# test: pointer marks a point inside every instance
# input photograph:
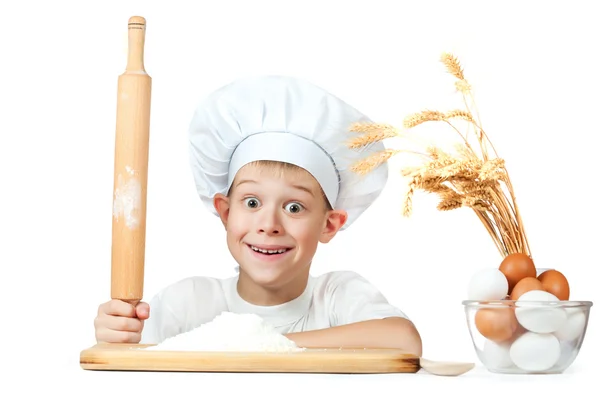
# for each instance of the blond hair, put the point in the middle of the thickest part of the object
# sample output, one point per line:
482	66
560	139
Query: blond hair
281	168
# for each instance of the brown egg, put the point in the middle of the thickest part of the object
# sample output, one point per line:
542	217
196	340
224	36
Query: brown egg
497	324
556	283
515	267
524	286
519	331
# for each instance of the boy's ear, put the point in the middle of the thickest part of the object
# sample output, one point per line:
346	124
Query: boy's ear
221	204
334	222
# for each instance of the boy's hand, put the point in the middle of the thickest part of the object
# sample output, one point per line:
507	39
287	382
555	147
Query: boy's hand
120	322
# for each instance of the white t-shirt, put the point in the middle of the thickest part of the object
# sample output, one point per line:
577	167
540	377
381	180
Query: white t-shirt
331	299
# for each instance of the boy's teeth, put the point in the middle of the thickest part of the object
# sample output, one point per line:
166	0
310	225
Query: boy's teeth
268	251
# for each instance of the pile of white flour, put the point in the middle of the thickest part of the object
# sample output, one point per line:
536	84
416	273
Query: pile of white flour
230	332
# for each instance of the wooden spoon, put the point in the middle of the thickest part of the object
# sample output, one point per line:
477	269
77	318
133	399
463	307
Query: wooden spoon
445	368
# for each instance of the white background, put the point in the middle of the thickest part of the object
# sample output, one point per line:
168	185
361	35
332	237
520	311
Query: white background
534	68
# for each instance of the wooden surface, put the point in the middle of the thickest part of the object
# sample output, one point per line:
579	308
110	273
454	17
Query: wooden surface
128	357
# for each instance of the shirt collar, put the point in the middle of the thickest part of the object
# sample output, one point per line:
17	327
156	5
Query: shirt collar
278	315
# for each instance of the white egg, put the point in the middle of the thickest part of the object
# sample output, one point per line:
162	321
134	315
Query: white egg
488	284
574	326
535	352
567	355
496	355
540	318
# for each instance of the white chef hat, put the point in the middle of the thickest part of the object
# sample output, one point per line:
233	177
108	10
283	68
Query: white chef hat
283	119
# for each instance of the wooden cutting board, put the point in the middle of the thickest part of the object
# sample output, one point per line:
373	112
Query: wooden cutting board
128	357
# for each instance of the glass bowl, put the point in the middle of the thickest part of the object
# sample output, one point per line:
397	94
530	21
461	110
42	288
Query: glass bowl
527	337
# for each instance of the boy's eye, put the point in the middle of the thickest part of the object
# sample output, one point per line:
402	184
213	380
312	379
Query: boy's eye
294	208
252	202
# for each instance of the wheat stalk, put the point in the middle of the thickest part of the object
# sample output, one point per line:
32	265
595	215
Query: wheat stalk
472	176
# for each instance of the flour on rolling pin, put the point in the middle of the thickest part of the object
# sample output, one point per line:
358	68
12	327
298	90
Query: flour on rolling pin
127	199
230	332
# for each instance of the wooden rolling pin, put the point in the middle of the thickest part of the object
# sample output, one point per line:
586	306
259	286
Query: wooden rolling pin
131	171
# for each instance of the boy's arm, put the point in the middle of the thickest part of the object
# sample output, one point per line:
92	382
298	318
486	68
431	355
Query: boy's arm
392	332
359	316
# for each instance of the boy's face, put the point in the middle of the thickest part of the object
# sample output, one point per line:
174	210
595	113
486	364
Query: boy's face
275	219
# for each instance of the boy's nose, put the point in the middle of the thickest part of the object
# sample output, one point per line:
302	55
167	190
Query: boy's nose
270	224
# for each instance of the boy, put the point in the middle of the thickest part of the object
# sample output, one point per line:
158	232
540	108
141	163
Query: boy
270	159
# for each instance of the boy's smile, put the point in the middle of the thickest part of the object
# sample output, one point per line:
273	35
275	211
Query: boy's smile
269	253
275	216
